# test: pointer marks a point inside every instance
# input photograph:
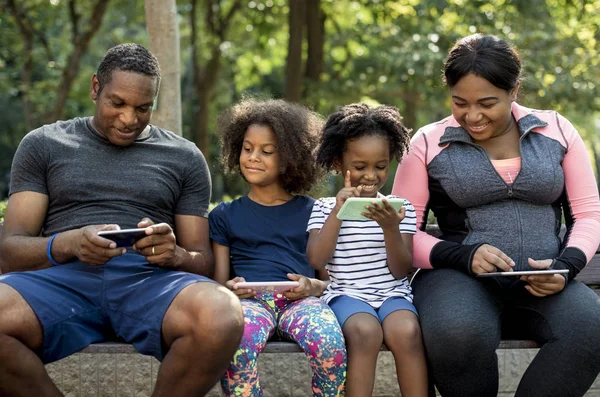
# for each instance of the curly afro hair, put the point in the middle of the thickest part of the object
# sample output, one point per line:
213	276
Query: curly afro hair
295	127
128	57
354	121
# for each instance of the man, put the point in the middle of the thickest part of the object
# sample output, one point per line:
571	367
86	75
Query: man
65	287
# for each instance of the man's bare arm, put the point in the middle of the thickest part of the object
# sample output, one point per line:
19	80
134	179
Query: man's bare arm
195	252
21	248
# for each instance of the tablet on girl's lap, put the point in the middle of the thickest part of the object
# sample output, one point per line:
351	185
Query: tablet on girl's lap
273	287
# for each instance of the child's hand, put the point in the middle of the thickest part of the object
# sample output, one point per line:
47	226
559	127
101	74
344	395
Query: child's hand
347	191
241	293
306	288
385	215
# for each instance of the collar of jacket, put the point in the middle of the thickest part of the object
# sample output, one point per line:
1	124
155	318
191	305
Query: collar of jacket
526	122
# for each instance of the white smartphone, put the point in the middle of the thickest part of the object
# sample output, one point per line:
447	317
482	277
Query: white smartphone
123	237
273	287
354	207
524	273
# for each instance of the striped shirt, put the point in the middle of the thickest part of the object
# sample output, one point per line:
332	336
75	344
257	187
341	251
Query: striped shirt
359	267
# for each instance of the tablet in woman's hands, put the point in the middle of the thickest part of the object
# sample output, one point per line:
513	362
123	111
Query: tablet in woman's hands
354	207
525	273
124	237
266	287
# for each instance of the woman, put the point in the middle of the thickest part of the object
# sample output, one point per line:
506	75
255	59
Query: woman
499	177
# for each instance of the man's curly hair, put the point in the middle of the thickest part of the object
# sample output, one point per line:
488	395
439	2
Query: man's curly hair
129	57
296	130
356	120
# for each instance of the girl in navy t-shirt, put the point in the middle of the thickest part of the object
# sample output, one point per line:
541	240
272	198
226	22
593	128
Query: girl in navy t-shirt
262	237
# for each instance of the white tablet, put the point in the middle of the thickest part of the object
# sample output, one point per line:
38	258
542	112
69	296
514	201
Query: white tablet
124	237
524	273
273	287
354	207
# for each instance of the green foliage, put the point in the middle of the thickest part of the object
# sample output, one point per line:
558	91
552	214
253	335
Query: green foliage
381	51
2	210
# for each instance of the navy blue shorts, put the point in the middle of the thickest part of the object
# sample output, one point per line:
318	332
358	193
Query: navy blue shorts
344	307
78	304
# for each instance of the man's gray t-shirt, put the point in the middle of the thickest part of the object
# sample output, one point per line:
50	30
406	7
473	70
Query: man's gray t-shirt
91	181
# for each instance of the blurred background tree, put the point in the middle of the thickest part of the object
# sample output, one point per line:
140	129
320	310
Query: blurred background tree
324	53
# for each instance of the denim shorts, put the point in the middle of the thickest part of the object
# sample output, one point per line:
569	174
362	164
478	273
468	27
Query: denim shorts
78	304
344	307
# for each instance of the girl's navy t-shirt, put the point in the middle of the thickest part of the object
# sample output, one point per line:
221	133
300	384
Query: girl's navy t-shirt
265	242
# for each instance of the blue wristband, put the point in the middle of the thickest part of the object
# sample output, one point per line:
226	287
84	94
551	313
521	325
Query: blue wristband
49	251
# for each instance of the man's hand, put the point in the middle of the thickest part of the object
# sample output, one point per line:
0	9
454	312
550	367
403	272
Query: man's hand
242	293
489	259
92	249
160	245
541	285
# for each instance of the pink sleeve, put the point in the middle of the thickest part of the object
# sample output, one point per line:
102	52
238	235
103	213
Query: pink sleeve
582	192
411	182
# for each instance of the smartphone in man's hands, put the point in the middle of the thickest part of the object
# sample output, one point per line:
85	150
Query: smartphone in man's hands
124	237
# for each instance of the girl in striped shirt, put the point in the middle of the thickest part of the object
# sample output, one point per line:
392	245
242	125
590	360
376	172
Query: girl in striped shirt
368	260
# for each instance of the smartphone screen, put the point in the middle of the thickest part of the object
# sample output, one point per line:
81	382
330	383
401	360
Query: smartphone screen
125	237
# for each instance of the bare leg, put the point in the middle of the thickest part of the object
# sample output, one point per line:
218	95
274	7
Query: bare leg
363	335
22	373
402	335
202	328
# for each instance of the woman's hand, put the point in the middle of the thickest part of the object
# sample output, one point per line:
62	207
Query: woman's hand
307	287
385	215
242	293
543	284
346	192
489	259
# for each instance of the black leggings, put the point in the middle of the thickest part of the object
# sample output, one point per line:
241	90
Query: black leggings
464	318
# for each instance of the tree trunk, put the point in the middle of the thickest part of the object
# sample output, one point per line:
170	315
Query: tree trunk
201	137
315	29
293	69
409	115
206	84
206	77
163	32
80	45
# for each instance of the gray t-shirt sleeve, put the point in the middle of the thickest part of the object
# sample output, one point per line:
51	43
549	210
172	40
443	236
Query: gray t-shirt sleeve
28	172
197	186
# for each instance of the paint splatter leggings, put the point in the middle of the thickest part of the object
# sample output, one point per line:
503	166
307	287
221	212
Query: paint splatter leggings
309	322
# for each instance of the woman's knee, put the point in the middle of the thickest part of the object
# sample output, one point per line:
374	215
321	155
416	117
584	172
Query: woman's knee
456	326
447	339
586	337
575	319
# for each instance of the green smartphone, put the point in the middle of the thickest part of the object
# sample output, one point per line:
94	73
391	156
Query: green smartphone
354	206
